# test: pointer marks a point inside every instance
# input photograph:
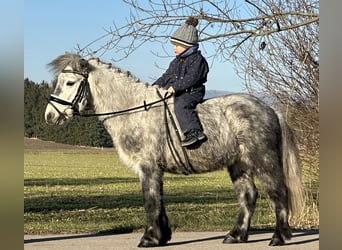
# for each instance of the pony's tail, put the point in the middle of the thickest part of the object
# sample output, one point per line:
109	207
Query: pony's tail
291	168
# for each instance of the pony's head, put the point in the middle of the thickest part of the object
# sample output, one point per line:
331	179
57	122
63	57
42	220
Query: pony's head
72	88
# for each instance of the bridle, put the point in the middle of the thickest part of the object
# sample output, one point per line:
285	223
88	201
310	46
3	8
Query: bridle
82	91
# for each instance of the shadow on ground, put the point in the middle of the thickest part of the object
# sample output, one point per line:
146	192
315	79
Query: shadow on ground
296	234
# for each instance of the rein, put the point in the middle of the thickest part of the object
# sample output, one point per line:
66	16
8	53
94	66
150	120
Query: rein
146	107
83	90
188	169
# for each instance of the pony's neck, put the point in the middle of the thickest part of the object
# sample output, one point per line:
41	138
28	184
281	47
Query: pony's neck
114	90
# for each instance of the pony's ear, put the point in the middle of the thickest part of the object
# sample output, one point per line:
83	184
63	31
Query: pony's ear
84	65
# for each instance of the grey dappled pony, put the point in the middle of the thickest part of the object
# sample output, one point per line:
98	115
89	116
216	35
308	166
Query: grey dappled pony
245	136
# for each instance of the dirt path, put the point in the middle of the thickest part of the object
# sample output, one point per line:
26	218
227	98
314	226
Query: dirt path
180	240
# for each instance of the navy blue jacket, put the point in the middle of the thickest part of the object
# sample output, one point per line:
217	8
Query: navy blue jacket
187	70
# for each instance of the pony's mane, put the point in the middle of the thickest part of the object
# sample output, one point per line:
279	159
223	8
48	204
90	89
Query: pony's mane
76	62
116	69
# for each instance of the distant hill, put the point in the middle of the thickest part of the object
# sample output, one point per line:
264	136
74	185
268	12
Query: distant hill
215	93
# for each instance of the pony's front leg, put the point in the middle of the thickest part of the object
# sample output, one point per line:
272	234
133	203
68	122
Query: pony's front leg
157	232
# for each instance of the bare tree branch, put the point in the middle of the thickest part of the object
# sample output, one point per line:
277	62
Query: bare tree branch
273	44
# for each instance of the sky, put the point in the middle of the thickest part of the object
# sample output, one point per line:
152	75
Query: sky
52	28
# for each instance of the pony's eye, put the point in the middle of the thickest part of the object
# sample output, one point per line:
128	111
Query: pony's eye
70	83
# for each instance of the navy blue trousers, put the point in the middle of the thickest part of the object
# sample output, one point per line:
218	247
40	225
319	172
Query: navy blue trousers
185	105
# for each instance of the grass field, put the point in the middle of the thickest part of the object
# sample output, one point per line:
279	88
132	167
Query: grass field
87	190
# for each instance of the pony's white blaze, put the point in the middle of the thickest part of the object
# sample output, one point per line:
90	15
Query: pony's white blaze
66	89
245	136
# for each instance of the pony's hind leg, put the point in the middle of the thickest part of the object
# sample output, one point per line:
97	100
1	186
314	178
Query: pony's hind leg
277	192
247	195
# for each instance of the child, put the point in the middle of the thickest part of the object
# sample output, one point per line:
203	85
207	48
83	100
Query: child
185	78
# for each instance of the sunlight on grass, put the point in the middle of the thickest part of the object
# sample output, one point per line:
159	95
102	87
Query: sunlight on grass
79	192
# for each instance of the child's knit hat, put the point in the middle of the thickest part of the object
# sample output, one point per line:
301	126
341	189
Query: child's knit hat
187	34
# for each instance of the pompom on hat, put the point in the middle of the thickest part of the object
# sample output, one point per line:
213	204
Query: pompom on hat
186	34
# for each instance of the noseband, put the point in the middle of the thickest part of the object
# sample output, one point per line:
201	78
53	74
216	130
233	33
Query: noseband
82	91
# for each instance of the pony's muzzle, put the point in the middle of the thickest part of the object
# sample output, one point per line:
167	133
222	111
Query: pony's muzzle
54	118
50	118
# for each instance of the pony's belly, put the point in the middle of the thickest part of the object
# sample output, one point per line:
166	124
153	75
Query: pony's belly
193	169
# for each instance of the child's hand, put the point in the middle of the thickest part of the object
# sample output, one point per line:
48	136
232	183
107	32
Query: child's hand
171	90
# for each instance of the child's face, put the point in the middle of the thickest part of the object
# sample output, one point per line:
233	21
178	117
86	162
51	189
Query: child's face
178	49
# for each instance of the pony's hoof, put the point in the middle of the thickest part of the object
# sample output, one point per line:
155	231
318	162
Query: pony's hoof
145	243
230	240
276	242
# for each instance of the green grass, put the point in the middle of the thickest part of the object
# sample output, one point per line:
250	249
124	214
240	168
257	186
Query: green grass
91	191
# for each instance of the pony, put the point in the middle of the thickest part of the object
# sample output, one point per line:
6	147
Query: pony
245	136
